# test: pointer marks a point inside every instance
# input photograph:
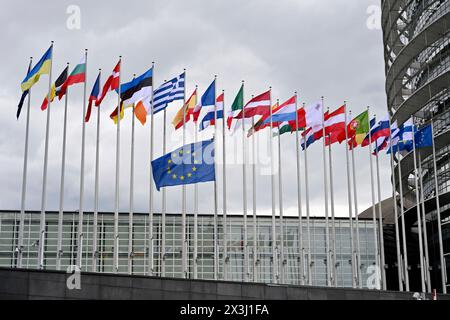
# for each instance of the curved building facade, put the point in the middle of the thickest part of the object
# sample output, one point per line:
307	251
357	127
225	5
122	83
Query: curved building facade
416	37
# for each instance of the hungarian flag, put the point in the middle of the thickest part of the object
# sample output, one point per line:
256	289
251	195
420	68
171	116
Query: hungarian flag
56	88
78	75
259	105
236	107
112	83
93	97
187	110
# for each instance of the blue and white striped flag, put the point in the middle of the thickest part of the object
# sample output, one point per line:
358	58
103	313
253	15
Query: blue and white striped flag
169	91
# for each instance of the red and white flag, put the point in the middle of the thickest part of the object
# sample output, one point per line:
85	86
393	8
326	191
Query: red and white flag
259	105
112	83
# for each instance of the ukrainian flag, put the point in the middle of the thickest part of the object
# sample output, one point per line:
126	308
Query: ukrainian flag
42	67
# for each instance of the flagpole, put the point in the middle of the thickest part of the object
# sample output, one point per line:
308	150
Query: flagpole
216	249
24	179
184	248
225	236
299	199
255	222
394	197
424	221
244	184
163	211
272	177
151	207
380	221
402	212
325	182
59	251
42	226
358	246
438	210
350	211
196	205
116	202
131	205
83	143
333	222
280	189
96	184
374	215
308	226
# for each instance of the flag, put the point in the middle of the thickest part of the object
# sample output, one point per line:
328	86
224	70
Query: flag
283	128
190	164
24	95
78	75
311	117
186	110
334	125
134	92
402	139
94	96
261	123
424	137
42	67
286	112
236	107
259	105
209	118
169	91
112	83
56	88
207	99
378	131
307	138
357	129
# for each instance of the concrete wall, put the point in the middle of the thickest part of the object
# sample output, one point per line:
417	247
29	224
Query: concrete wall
33	284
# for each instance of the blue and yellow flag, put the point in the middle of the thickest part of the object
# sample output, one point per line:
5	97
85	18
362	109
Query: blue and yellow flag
193	163
42	67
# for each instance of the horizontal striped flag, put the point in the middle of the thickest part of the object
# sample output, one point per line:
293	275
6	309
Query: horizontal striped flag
286	112
211	116
187	110
95	94
78	75
42	67
259	105
169	91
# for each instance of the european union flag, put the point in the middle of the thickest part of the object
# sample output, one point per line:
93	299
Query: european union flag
192	163
424	137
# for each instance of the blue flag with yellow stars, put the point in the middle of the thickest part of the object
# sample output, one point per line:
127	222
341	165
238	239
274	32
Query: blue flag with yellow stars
190	164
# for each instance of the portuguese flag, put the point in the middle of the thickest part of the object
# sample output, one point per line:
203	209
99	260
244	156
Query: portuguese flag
358	129
78	75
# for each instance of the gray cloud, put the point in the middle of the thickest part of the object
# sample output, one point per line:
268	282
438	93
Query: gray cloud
318	48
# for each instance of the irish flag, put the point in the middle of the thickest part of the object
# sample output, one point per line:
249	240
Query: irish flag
78	75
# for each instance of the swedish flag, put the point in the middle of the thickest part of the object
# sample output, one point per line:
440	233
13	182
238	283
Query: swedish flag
190	164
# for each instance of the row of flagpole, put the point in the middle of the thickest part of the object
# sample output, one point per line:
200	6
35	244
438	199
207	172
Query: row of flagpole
330	252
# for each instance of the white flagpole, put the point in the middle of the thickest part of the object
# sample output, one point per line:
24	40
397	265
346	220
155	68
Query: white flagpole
424	221
255	221
24	180
83	147
96	183
44	178
224	168
196	205
380	222
272	177
299	199
244	184
402	213
280	189
333	222
325	182
419	224
131	205
216	240
163	211
438	210
308	226
116	202
59	251
374	215
151	207
184	248
350	211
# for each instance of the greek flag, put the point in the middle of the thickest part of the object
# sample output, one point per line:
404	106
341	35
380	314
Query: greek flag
169	91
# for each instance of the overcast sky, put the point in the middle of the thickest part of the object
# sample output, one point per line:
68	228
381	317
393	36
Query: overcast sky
319	48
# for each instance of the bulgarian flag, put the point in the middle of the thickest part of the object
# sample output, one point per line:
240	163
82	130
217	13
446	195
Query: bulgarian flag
187	109
78	75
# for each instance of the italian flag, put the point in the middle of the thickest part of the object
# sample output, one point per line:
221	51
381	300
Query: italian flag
78	75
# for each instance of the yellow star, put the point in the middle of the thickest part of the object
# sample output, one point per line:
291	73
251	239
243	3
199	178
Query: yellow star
181	151
194	169
189	175
174	155
169	171
182	178
188	151
174	176
169	161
